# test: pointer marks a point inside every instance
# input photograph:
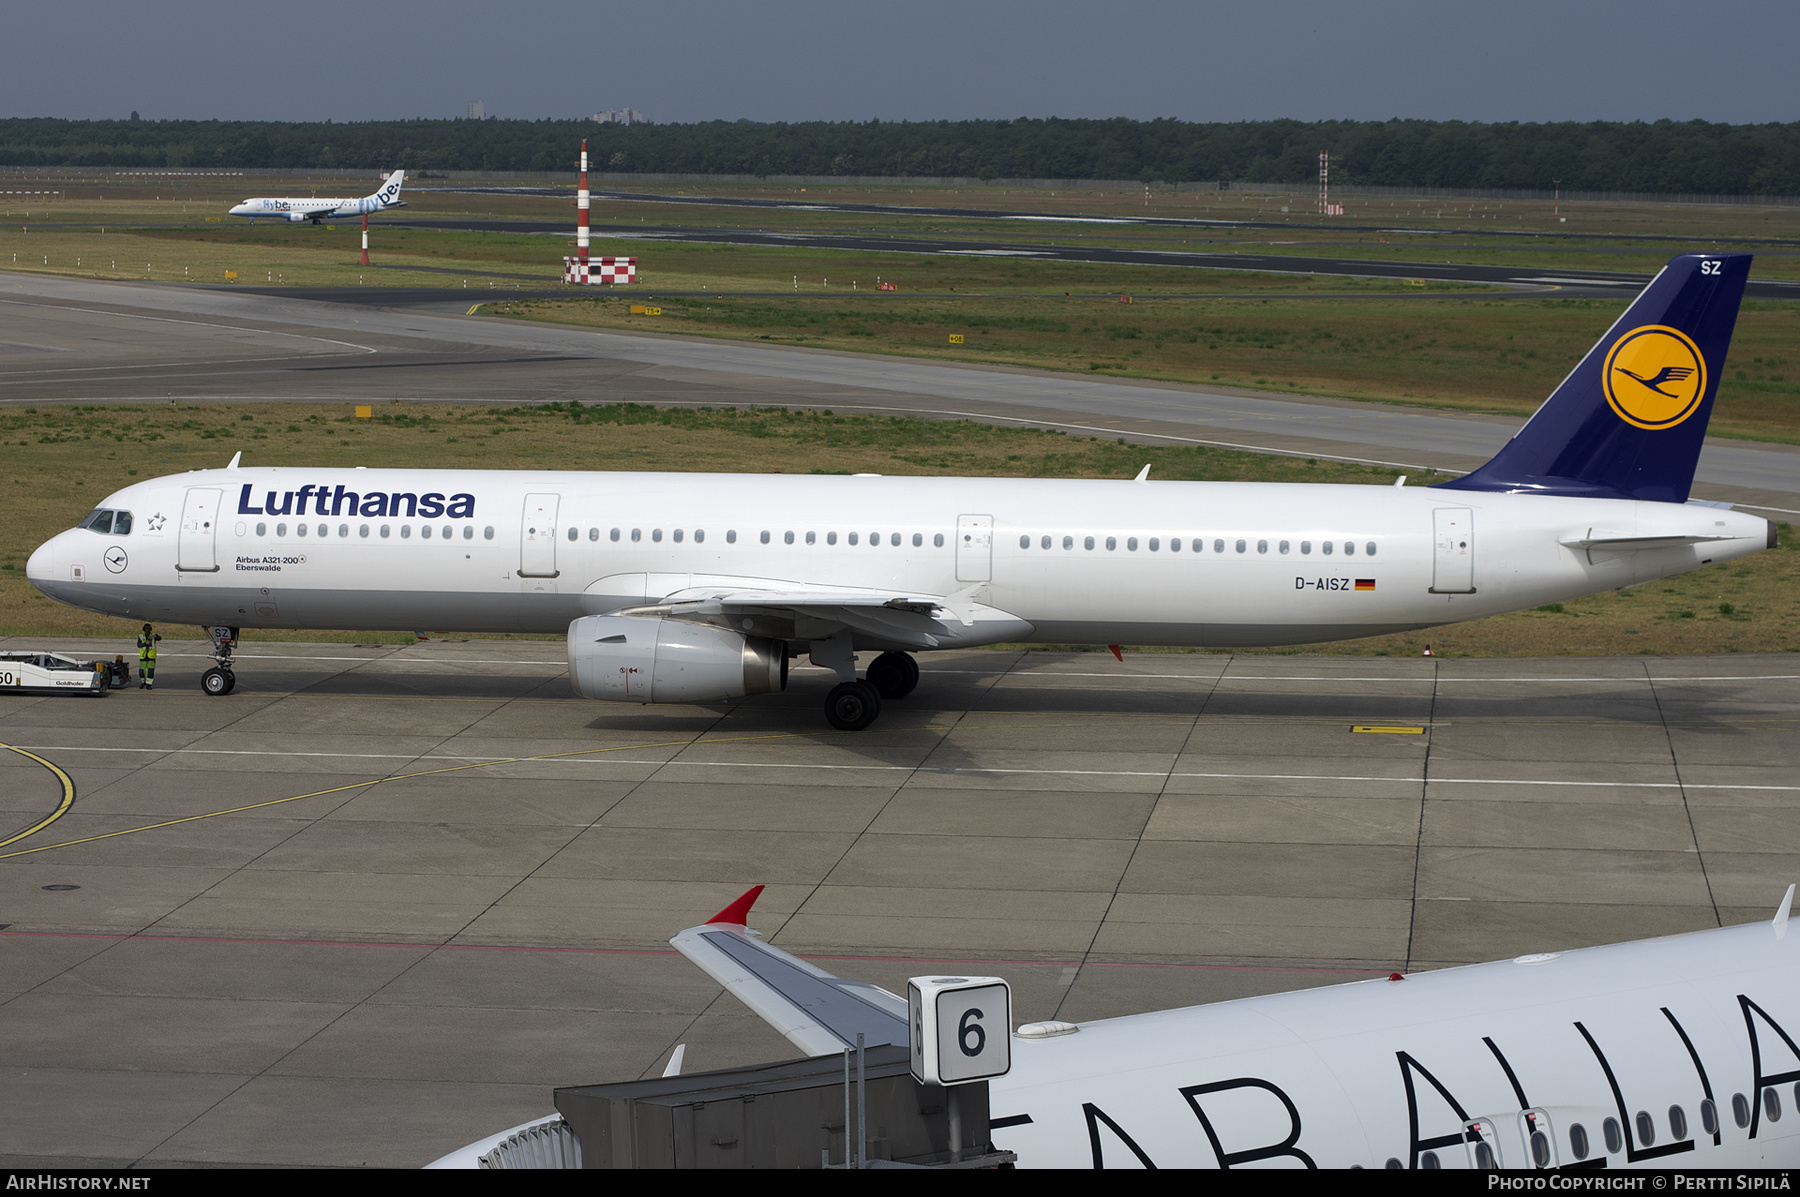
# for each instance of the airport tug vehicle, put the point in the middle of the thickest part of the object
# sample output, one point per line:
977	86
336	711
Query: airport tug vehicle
25	672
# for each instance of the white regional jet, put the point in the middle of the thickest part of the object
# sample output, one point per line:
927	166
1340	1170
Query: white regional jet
1667	1053
315	210
695	587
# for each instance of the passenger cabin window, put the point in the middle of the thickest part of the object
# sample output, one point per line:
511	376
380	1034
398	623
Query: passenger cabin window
852	538
894	540
574	533
1646	1129
405	531
676	534
593	534
830	538
918	539
1709	1117
1219	546
731	536
1677	1123
1578	1141
938	540
1615	1137
1088	543
1068	542
487	533
614	535
262	529
1024	542
1772	1105
1740	1110
656	535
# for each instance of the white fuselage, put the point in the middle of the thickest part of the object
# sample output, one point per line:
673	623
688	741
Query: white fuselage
1176	563
1378	1073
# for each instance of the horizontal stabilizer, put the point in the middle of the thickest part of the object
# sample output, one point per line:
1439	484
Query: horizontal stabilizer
1618	542
818	1013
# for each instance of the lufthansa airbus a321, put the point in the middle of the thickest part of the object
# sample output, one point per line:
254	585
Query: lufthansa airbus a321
701	587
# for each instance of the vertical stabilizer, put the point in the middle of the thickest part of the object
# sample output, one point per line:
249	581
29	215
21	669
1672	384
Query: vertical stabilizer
389	195
1628	422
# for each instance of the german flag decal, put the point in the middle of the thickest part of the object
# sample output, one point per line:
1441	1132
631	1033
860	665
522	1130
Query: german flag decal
1365	583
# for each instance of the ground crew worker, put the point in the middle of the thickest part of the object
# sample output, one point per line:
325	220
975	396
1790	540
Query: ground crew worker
147	658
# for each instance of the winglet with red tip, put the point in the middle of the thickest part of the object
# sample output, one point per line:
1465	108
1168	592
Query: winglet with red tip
738	912
1117	653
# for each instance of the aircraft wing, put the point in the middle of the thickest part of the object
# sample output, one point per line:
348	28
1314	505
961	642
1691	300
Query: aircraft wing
818	1013
907	619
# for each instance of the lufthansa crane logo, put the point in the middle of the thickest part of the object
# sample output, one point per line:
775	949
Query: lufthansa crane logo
1654	377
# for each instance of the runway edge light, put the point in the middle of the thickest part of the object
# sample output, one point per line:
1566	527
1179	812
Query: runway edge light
959	1029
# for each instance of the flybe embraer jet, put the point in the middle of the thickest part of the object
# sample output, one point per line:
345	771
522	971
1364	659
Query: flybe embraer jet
316	210
698	587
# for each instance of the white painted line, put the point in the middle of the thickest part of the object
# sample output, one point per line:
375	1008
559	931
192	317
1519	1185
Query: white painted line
598	758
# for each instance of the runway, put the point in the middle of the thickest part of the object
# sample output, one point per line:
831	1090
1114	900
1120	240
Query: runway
74	341
380	900
1585	283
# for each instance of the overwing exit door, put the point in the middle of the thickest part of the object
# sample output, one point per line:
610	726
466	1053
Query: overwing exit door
974	548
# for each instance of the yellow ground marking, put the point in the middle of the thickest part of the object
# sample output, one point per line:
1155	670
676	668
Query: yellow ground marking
1389	731
473	308
69	787
68	796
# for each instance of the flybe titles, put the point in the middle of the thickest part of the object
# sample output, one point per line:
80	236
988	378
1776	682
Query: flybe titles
339	501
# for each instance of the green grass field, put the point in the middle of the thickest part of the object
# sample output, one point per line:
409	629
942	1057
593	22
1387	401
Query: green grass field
62	461
1463	348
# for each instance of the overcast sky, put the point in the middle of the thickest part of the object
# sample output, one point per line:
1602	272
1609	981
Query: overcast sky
794	60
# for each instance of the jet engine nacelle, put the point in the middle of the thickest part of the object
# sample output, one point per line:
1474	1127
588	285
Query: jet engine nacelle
298	217
621	658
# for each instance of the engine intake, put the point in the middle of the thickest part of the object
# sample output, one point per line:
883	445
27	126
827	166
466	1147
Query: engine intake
620	658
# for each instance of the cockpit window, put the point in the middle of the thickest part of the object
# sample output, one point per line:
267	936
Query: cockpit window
116	523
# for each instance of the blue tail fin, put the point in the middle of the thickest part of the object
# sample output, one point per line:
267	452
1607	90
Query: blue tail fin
1628	421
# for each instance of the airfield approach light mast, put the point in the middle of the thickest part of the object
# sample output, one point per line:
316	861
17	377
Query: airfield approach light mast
581	217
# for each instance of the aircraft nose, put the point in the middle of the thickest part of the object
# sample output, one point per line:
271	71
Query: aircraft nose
40	567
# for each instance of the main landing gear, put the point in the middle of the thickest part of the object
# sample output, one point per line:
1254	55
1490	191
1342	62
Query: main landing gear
220	680
854	705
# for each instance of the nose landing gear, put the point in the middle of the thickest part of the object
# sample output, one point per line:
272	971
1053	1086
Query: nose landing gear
220	680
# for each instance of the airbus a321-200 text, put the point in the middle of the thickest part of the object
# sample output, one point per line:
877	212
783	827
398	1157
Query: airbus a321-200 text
688	588
298	210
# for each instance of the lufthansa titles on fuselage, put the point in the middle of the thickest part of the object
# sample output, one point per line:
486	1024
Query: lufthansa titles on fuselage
341	500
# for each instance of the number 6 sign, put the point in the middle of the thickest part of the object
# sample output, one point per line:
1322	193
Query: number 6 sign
961	1028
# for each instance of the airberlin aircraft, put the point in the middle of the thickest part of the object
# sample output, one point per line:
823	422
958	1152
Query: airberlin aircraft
701	587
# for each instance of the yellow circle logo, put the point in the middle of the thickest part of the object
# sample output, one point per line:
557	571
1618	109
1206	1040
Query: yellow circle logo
1654	377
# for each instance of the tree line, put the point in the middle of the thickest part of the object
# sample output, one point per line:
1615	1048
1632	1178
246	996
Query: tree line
1665	156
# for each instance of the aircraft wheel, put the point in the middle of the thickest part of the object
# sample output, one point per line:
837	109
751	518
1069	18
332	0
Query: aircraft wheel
852	706
230	681
216	682
894	674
